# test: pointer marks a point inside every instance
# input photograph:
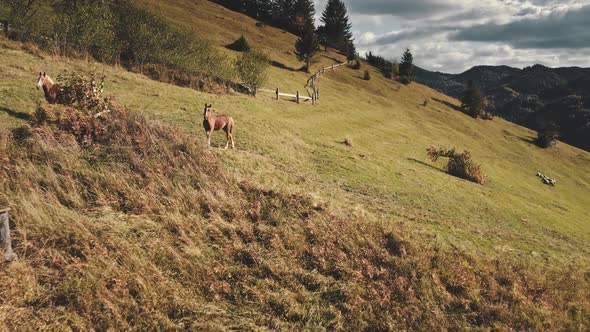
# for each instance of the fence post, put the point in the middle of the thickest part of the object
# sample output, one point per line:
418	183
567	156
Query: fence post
277	93
332	67
297	96
5	243
317	94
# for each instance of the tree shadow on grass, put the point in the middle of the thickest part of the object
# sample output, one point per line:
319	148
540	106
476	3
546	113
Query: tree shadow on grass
16	114
446	103
331	58
427	165
282	66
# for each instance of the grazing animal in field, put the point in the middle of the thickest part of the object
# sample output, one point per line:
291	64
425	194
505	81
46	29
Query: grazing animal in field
51	90
213	122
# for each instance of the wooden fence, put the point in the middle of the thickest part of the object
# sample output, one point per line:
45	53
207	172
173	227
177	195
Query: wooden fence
298	97
311	82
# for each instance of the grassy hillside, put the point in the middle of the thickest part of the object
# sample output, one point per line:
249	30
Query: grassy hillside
324	245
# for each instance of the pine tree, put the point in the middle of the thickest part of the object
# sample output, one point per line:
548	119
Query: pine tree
284	13
307	46
335	19
472	103
407	68
351	51
259	9
322	36
304	14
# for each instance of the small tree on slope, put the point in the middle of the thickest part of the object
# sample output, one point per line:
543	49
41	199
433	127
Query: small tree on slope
547	135
406	68
472	102
252	69
307	46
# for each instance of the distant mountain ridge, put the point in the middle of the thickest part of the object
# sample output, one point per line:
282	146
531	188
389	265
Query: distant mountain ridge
532	96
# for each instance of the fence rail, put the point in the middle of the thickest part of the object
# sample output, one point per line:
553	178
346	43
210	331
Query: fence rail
311	82
298	97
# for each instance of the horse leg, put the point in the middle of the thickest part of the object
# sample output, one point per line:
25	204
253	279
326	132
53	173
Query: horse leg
231	136
227	136
209	138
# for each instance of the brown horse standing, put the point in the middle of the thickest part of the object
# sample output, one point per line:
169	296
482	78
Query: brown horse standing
213	122
51	89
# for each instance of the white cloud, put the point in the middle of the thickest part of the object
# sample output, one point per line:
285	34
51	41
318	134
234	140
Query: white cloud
430	29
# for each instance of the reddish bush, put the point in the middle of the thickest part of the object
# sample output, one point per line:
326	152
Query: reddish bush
460	164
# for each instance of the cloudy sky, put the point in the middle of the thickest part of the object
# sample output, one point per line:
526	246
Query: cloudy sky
454	35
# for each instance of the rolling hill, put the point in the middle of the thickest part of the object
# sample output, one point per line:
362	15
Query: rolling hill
523	95
293	230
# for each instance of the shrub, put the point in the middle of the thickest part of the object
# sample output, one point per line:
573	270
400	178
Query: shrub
240	45
90	26
252	68
82	92
113	31
367	76
26	18
460	164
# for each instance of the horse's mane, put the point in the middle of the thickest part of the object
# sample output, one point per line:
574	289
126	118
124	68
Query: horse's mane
49	79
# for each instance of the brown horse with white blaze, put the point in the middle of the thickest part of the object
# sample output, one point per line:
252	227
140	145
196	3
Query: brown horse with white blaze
51	90
213	122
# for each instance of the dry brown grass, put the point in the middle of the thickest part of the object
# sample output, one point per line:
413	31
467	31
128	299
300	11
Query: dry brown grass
125	223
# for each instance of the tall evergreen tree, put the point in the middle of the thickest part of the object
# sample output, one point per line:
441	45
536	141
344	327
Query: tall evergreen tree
304	14
322	36
284	13
259	9
406	68
307	46
335	19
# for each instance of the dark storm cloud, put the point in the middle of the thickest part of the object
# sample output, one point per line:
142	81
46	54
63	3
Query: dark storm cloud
559	30
423	32
403	8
